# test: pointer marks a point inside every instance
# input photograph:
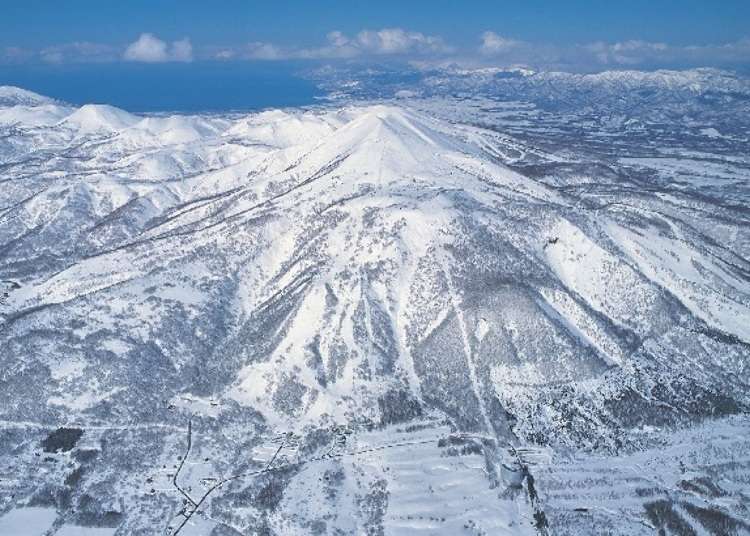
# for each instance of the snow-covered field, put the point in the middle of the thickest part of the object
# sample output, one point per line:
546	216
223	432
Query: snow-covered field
504	314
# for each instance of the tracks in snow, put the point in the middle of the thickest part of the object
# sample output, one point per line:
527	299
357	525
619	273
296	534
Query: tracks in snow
456	303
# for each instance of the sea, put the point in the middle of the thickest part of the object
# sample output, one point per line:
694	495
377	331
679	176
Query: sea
178	87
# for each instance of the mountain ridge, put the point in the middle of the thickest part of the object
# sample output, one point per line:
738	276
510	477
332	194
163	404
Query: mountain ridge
386	166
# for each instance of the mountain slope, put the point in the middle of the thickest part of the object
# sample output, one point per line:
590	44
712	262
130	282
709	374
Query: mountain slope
396	254
371	269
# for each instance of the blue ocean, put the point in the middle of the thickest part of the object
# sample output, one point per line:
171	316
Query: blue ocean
195	87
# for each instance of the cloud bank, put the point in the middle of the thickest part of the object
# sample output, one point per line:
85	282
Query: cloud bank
625	54
493	43
383	42
491	49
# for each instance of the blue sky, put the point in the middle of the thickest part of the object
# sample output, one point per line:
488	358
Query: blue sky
35	23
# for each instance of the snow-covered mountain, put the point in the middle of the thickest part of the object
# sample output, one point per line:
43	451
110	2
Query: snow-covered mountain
15	96
382	318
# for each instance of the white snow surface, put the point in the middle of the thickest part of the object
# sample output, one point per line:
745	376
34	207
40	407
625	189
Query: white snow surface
30	521
304	270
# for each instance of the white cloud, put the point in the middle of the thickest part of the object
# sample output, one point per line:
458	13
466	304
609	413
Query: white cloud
263	51
493	43
182	50
496	49
626	52
337	38
493	50
82	51
147	48
637	52
15	55
257	50
150	49
387	41
399	41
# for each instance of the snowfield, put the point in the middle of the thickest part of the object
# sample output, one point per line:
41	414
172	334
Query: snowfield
426	315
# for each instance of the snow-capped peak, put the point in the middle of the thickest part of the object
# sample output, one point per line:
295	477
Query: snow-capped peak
99	118
15	96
